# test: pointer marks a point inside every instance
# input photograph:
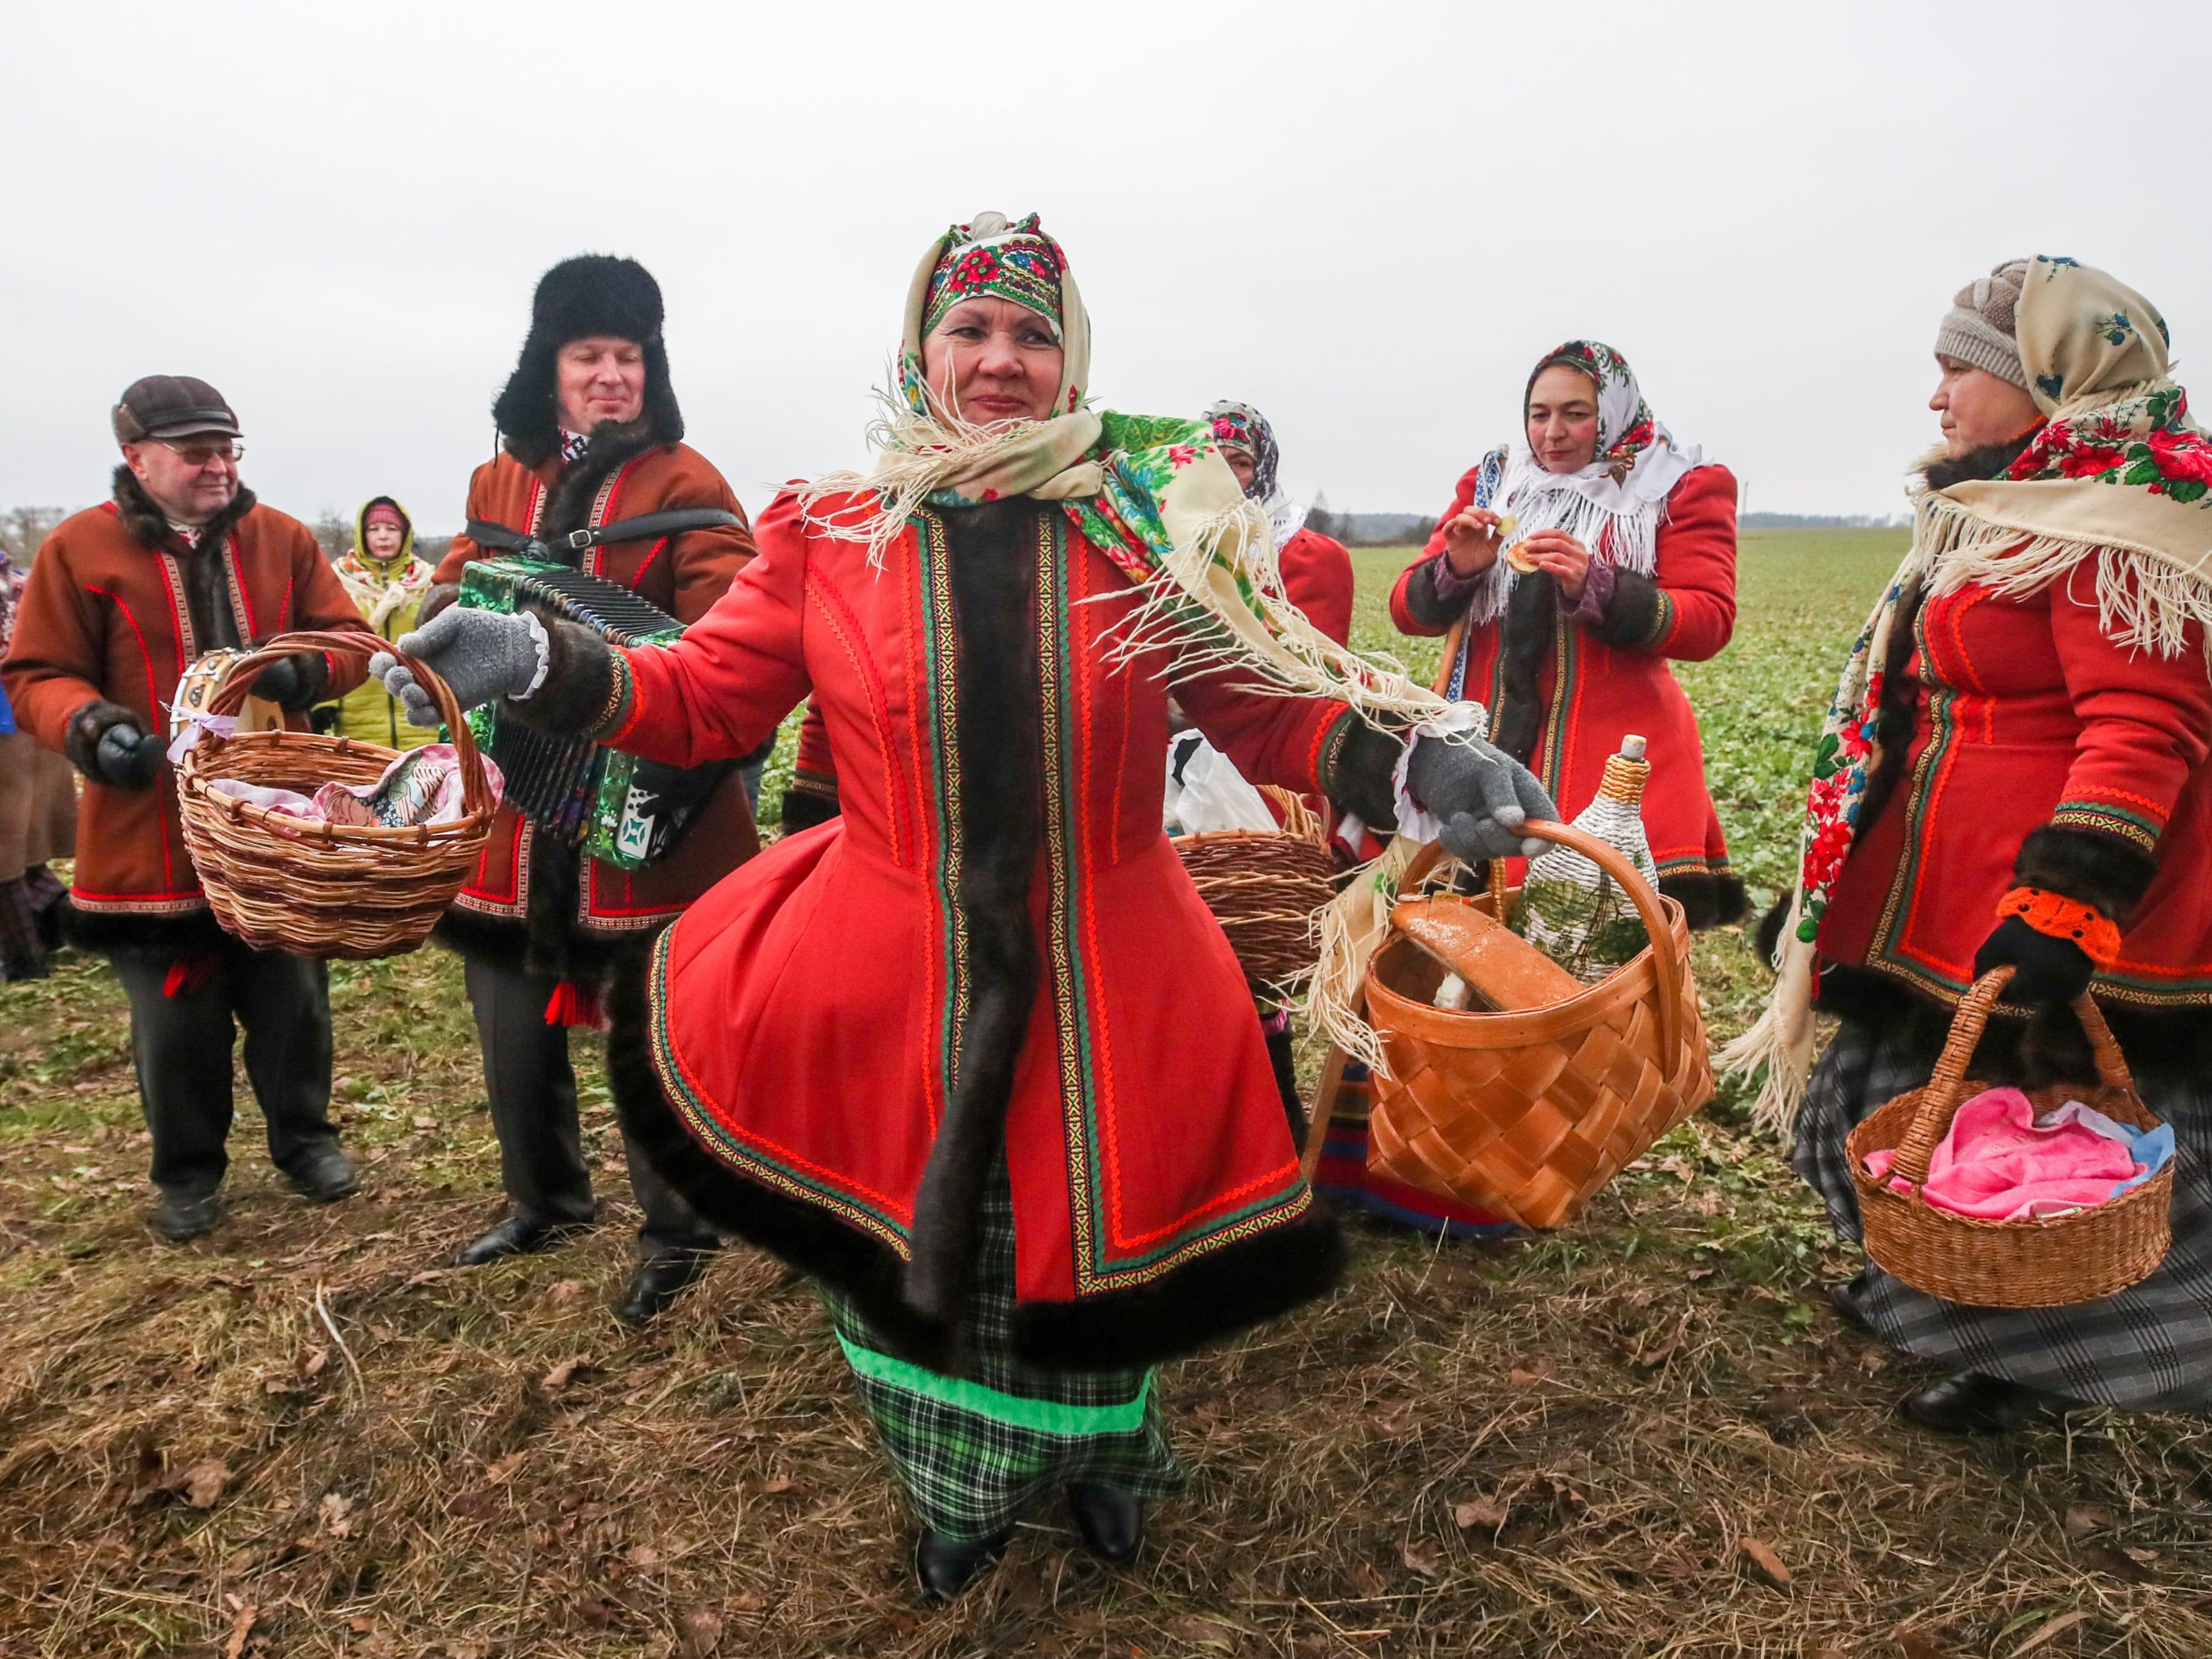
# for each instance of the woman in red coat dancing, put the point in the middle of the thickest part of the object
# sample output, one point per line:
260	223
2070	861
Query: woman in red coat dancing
2027	713
1567	571
927	1052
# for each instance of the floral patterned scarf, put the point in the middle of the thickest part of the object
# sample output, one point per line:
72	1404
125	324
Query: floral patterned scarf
2117	475
1614	505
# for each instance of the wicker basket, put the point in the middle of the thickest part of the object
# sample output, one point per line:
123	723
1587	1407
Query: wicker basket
2046	1263
319	889
1264	886
1531	1112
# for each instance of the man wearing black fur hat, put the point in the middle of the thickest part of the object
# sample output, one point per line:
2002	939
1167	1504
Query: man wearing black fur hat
591	437
122	599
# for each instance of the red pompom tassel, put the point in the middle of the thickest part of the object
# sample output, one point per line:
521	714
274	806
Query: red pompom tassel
572	1004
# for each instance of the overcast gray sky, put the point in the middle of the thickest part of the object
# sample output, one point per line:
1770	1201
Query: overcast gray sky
1368	220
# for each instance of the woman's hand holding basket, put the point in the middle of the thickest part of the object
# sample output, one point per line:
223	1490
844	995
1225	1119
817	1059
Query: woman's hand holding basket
482	655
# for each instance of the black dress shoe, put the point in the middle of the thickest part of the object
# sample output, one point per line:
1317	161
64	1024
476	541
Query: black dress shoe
325	1176
946	1565
518	1235
1840	1298
178	1219
1112	1522
659	1280
1968	1402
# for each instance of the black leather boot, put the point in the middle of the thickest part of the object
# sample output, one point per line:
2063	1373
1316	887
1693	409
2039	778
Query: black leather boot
1112	1524
178	1218
326	1175
946	1566
517	1235
1968	1402
659	1280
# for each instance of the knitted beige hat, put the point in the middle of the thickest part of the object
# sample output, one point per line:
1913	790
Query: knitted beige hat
1979	328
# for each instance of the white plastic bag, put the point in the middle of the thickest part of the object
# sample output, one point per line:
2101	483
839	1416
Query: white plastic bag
1212	795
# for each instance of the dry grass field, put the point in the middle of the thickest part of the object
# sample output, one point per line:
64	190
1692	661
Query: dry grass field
1647	1435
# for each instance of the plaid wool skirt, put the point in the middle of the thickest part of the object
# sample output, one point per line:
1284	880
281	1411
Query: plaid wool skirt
2145	1348
974	1451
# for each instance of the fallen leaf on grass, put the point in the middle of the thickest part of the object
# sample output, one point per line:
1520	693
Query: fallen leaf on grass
750	1602
776	1483
1762	1557
427	1276
200	1485
501	1469
423	1121
337	1514
567	1290
644	1557
313	1364
241	1626
1480	1512
698	1632
558	1376
1420	1558
2058	1626
2082	1519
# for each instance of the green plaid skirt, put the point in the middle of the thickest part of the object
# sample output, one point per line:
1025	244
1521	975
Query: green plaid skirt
974	1451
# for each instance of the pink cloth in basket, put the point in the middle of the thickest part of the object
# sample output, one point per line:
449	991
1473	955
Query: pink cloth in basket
1999	1165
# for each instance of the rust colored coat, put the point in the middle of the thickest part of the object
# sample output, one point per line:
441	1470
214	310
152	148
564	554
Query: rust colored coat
683	575
107	615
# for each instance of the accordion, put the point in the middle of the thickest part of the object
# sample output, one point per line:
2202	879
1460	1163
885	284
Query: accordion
614	807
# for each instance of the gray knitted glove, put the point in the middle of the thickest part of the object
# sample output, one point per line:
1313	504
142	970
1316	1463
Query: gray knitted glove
1482	795
481	654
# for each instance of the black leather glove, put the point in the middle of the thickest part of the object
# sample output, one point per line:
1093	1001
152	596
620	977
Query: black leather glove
294	684
125	758
1481	794
110	745
2045	969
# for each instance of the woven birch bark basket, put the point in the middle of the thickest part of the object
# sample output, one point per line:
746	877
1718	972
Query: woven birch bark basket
2045	1263
323	889
1531	1113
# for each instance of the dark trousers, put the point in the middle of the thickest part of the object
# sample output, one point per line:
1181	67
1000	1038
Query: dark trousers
532	1089
181	1046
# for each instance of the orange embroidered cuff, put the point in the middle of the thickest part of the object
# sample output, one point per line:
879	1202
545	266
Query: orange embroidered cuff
2061	918
620	713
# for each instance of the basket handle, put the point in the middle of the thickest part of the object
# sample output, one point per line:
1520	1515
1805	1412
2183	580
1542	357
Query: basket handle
238	682
1940	1101
1665	955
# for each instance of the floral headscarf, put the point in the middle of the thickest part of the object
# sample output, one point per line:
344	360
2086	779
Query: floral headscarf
1019	263
1614	505
2118	476
1240	427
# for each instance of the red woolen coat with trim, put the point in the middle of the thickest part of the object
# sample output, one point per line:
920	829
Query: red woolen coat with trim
1613	690
2029	714
683	575
803	1008
105	616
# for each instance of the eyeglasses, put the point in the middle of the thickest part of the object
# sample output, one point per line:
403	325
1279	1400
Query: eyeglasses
198	455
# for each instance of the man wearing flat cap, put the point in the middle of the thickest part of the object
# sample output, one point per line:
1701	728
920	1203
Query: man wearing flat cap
122	599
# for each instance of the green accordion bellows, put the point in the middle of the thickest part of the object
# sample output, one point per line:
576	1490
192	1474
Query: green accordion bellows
614	807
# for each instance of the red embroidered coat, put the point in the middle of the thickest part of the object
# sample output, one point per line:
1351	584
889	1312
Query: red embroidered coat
2029	715
1317	576
1596	685
805	1012
683	575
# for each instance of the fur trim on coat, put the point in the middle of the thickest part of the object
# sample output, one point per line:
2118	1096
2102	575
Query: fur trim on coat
590	294
110	933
